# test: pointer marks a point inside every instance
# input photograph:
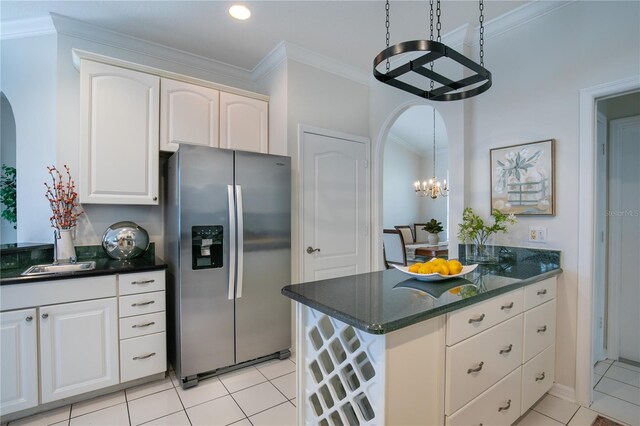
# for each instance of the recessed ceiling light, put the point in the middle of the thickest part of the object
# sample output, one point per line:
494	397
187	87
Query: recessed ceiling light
239	12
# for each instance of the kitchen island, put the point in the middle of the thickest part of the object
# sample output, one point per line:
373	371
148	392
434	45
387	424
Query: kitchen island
383	348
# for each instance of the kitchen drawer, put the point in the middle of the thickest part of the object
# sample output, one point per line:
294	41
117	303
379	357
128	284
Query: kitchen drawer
481	316
140	282
539	329
493	353
537	377
145	303
538	293
142	325
143	356
498	405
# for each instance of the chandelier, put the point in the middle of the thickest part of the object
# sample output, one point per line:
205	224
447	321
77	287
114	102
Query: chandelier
478	80
433	188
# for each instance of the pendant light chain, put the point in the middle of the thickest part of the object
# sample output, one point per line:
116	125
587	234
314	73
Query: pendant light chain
386	8
481	33
439	24
434	143
431	84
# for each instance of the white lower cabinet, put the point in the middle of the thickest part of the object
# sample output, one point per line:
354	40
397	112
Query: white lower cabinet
499	405
18	360
537	377
78	348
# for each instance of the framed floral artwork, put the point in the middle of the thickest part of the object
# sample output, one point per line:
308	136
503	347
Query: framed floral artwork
522	178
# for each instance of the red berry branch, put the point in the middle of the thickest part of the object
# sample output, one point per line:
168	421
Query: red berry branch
63	199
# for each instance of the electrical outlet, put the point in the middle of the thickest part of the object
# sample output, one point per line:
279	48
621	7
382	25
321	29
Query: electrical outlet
537	234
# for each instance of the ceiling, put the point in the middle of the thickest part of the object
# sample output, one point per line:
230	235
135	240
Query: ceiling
351	32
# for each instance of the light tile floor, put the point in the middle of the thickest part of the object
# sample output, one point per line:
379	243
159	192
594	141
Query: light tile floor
265	395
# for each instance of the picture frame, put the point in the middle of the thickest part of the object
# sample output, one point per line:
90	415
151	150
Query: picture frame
523	178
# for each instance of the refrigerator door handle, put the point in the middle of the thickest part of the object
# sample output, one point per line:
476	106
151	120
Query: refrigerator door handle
240	239
232	241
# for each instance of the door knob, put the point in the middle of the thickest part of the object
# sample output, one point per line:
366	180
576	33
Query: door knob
310	250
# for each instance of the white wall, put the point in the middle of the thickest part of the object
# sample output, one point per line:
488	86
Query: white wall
538	70
320	99
28	79
401	168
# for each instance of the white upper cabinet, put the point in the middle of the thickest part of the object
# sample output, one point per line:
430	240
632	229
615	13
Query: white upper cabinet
78	348
19	360
119	151
188	114
243	123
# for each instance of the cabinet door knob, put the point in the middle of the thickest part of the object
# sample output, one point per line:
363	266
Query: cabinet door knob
44	316
155	198
479	319
475	370
135	358
29	318
540	377
509	306
542	329
542	292
506	407
506	351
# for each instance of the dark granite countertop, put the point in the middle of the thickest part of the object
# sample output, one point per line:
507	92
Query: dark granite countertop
13	266
384	301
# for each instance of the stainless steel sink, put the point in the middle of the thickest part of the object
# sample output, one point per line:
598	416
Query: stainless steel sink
59	268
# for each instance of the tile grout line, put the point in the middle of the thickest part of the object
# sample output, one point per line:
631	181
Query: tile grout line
615	380
613	396
182	403
236	402
549	417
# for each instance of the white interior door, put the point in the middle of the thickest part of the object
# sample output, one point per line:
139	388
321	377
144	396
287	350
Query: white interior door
335	205
600	267
624	235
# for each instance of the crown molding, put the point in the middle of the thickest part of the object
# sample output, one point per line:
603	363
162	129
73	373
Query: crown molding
325	63
31	27
269	62
83	30
517	17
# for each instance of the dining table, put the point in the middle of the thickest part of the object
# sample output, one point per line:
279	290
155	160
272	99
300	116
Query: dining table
426	250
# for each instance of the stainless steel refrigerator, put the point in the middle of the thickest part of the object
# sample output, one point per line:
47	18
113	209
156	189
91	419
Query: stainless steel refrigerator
228	247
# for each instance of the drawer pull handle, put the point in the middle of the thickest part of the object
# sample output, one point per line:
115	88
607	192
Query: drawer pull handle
143	325
542	292
45	316
143	282
505	407
29	318
540	377
475	370
479	319
135	358
506	351
542	329
143	303
509	306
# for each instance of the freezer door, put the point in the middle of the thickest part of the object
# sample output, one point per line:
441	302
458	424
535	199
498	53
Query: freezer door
263	314
206	311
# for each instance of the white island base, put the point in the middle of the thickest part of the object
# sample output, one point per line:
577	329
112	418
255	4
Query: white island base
486	363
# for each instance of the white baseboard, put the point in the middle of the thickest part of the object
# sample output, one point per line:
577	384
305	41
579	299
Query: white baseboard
564	392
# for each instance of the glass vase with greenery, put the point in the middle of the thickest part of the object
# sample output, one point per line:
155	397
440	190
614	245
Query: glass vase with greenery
473	229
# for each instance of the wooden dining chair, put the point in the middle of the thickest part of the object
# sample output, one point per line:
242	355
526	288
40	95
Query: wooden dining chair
421	234
393	246
407	233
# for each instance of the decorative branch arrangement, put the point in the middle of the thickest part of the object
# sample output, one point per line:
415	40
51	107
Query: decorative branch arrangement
474	229
63	199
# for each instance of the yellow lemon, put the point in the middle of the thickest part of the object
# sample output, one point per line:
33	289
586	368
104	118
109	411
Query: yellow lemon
455	267
441	269
414	268
455	290
425	268
438	261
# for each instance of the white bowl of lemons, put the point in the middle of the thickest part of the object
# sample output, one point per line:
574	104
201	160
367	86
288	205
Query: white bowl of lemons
437	269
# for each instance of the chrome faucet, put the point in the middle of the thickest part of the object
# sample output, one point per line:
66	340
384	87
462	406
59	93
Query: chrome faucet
55	246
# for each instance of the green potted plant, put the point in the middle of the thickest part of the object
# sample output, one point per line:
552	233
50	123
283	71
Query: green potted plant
433	227
474	230
8	194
